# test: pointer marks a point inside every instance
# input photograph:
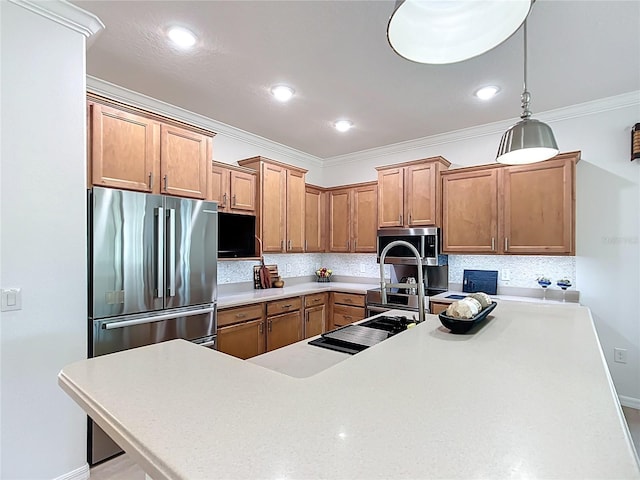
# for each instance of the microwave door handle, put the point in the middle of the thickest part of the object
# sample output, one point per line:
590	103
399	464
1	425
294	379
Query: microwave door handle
159	252
171	250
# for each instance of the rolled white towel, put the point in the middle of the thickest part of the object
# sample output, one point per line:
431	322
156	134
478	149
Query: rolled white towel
483	298
465	308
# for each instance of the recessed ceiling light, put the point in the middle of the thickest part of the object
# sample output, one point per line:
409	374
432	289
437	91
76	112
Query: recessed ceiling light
343	125
485	93
282	93
182	37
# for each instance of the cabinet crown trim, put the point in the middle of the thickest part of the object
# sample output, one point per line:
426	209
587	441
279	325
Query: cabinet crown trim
236	168
252	160
437	159
573	156
92	97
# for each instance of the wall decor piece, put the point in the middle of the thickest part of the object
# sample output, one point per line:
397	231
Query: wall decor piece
635	142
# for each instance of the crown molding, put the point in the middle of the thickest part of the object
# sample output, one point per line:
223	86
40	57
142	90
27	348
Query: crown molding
496	128
65	14
129	97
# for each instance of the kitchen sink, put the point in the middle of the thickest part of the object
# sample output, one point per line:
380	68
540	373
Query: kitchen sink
355	338
392	325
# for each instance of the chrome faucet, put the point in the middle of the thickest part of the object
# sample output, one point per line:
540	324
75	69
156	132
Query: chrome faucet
384	285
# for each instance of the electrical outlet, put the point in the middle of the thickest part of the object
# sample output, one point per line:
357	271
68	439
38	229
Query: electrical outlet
620	355
362	268
288	268
506	274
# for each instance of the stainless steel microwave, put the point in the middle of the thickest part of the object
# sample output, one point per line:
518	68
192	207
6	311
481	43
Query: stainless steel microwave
425	240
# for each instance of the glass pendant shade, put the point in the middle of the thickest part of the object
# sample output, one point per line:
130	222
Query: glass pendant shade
450	31
528	141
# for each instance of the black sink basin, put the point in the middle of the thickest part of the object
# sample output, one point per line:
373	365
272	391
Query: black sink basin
392	325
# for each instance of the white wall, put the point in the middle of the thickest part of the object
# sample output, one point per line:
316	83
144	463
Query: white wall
607	272
42	243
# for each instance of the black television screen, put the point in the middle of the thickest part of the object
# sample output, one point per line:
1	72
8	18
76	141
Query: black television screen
236	235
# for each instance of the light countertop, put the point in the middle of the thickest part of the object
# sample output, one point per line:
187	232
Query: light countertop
525	394
257	296
442	298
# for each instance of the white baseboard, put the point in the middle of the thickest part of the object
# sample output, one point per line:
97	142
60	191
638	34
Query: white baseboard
81	473
629	402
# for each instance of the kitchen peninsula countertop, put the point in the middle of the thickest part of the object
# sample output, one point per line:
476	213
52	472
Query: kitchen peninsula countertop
268	294
525	394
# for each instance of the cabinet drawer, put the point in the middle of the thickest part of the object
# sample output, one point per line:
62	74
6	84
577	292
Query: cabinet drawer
284	306
348	299
230	316
315	299
344	315
437	308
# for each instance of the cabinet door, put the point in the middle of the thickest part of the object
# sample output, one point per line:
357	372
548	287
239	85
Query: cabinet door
273	207
344	315
470	212
125	150
390	197
314	220
183	162
339	216
242	192
538	208
365	219
295	211
315	319
284	330
420	195
219	191
244	341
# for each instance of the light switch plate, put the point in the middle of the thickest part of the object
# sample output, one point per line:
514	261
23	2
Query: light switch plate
11	299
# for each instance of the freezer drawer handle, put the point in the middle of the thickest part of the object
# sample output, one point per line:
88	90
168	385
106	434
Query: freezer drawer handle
160	252
171	267
168	316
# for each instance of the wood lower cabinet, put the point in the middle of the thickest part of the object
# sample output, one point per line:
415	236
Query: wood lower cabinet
234	188
346	308
315	314
520	210
244	340
134	150
353	218
409	193
242	330
281	204
436	307
284	322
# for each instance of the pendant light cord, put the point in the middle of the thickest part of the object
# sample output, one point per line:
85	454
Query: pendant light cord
526	96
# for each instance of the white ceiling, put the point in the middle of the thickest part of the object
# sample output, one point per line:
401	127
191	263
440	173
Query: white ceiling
335	54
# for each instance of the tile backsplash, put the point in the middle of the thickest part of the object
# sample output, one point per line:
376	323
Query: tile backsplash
522	269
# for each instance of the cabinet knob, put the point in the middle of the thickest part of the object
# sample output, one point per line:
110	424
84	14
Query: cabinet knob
150	180
233	200
286	306
166	182
506	244
270	325
493	244
224	200
261	327
241	315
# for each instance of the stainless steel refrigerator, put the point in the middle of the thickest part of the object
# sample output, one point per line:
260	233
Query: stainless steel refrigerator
153	274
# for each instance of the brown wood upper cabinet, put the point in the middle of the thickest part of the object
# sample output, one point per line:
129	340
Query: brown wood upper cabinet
136	150
281	200
315	219
409	193
234	188
353	218
525	209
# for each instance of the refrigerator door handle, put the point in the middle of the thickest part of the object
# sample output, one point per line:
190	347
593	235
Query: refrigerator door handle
171	261
156	318
159	252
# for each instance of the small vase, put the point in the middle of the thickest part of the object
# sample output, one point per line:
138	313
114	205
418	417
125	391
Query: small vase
323	279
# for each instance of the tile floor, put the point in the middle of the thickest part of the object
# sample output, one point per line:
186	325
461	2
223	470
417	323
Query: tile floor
123	468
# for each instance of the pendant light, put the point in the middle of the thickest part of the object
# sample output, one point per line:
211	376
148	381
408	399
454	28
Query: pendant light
529	140
449	31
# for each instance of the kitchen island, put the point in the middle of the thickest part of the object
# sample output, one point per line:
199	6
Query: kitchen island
525	394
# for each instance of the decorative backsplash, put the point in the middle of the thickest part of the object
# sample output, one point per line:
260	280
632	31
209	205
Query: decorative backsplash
523	270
